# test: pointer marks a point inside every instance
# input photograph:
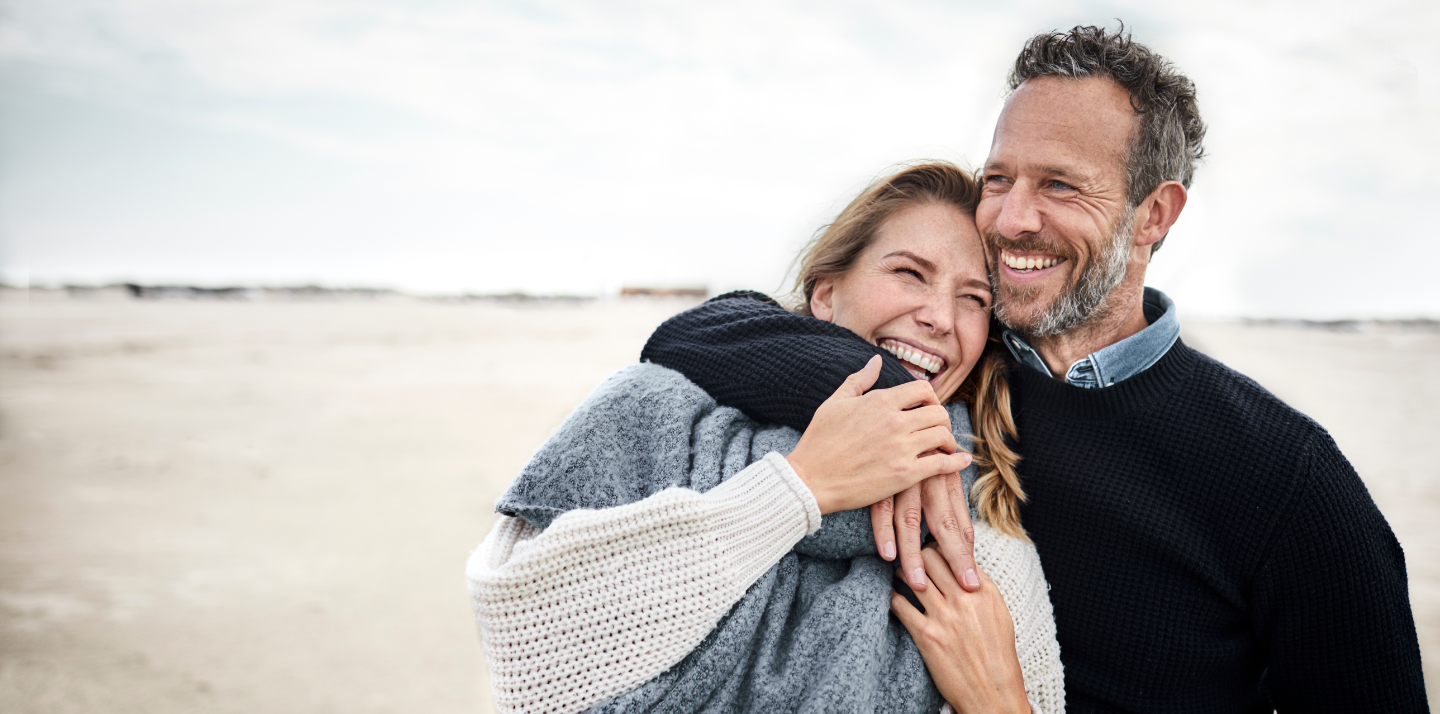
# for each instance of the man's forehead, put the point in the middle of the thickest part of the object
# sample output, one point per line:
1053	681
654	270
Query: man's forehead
1051	124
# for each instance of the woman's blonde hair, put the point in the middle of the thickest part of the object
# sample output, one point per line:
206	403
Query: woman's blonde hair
831	254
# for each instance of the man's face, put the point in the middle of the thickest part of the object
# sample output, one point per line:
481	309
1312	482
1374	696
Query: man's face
1053	213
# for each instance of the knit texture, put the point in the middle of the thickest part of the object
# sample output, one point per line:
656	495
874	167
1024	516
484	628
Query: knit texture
1209	548
566	624
646	604
700	343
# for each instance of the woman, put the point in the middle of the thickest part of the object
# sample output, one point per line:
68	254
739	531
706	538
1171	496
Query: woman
609	588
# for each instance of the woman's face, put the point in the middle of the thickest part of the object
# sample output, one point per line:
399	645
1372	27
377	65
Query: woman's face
920	291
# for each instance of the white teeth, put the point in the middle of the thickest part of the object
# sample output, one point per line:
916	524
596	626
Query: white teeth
1019	263
915	357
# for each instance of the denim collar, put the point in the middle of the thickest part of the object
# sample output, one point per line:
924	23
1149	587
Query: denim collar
1119	361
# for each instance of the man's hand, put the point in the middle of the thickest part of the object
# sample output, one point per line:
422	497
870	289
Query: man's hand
941	499
861	448
967	640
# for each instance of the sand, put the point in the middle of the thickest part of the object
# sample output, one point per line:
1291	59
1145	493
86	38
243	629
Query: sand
211	506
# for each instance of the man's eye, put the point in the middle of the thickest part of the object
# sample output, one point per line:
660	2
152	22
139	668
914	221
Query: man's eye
1061	186
994	179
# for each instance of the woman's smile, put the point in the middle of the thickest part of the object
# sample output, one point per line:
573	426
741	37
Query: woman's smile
923	363
920	291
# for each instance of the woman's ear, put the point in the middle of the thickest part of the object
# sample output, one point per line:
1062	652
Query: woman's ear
820	300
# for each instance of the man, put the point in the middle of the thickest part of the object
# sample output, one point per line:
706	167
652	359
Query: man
1208	548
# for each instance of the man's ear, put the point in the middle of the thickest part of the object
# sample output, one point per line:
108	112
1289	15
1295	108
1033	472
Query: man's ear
821	300
1158	212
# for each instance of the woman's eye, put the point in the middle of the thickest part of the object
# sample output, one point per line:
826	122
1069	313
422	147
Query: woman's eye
909	271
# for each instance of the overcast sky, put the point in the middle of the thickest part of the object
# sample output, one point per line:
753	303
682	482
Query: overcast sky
575	147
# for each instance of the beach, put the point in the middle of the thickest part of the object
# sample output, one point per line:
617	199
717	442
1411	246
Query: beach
242	505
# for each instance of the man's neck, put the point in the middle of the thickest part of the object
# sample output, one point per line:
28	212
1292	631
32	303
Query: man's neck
1125	317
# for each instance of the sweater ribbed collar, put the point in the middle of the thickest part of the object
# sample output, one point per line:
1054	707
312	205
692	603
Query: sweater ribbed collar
1142	392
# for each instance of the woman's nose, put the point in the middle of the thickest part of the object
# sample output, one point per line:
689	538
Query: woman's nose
937	315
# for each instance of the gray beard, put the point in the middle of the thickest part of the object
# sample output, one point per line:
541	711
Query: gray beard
1082	302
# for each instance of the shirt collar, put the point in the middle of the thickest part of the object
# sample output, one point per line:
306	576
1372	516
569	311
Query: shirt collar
1120	361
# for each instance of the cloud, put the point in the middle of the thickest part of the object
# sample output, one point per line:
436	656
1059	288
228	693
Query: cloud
577	146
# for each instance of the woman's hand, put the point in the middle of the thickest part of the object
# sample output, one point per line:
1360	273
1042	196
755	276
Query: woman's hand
861	448
967	640
941	501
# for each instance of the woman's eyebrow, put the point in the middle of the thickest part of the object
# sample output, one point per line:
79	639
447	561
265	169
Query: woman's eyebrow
907	254
978	283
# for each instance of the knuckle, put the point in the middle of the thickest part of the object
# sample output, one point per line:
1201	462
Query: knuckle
950	522
910	518
933	635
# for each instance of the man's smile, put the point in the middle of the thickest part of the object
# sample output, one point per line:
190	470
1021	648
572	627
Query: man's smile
1029	263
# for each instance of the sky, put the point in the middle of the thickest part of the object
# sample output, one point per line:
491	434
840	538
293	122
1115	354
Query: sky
438	146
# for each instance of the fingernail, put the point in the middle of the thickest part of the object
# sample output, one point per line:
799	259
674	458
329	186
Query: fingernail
971	580
888	550
917	578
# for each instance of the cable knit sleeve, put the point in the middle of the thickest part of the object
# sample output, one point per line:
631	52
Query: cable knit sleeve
605	600
1014	565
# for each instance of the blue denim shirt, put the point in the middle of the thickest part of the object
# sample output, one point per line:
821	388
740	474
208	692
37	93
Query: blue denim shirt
1119	361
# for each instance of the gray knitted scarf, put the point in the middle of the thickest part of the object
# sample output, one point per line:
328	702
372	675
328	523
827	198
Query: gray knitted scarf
813	634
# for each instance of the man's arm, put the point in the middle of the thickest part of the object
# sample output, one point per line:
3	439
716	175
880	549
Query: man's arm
775	366
1331	603
748	352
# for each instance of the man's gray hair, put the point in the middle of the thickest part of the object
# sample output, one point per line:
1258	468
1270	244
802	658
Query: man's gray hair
1168	139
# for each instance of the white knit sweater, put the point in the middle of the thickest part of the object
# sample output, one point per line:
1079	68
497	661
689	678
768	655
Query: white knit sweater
605	600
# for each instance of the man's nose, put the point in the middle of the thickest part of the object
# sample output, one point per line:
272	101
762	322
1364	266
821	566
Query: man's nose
1019	214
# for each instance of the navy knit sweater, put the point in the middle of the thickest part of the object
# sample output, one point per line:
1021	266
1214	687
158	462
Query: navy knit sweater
1208	548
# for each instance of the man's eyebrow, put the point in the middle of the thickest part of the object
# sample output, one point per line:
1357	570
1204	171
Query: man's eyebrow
907	254
1058	172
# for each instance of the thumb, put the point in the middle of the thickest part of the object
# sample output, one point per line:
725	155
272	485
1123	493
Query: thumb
860	382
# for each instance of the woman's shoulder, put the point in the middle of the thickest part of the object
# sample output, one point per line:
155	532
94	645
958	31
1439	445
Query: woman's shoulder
648	383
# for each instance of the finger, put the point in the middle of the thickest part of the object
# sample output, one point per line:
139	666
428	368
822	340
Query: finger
907	524
935	437
949	517
937	464
906	613
860	382
926	417
882	521
939	573
984	579
908	395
